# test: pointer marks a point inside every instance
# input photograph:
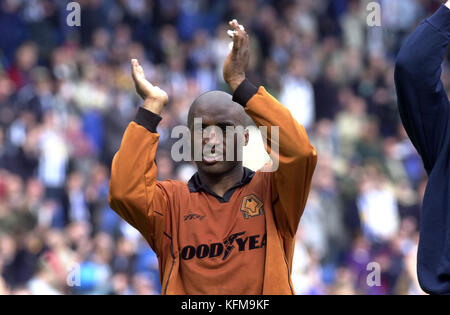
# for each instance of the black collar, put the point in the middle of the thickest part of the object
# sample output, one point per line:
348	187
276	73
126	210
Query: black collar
195	185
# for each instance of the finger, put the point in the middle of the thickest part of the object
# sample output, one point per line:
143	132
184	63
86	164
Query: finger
134	66
237	41
231	33
134	63
238	28
234	25
240	36
137	68
234	34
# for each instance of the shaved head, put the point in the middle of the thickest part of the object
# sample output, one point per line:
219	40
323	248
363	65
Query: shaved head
217	109
218	104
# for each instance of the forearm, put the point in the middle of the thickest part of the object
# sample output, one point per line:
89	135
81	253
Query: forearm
235	82
153	106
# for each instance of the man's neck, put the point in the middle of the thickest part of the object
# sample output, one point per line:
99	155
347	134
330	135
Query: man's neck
220	183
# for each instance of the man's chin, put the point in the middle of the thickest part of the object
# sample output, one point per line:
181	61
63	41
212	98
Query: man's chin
218	167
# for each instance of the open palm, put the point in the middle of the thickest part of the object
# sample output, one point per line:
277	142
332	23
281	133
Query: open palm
144	88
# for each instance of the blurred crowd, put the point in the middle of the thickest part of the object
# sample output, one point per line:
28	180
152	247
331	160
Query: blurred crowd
66	97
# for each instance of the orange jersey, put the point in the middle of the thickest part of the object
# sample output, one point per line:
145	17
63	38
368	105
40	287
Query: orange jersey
241	243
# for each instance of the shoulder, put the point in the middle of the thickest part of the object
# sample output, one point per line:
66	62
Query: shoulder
264	174
172	187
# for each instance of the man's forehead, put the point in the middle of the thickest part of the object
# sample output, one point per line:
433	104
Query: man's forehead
217	107
217	114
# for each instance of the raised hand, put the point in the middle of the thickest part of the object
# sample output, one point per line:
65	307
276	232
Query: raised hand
154	98
236	62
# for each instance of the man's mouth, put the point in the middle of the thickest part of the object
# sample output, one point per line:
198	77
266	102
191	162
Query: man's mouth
211	158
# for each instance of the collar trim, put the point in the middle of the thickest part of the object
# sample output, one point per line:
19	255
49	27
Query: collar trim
195	185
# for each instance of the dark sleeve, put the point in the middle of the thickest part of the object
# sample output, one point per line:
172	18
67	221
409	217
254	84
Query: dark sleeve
422	100
147	119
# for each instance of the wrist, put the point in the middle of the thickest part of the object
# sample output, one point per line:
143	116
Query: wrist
147	119
244	92
234	82
153	105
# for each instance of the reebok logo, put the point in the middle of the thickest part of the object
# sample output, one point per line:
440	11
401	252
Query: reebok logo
193	216
226	247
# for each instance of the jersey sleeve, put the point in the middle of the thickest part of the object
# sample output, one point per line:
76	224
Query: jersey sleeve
297	158
422	100
134	193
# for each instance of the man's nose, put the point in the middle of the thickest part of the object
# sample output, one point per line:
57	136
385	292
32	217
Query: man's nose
213	137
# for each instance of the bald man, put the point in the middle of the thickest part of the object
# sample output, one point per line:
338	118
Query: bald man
229	230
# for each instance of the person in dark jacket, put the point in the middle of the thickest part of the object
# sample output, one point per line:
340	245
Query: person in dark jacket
425	112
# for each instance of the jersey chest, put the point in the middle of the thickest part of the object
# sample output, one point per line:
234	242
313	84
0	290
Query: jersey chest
214	230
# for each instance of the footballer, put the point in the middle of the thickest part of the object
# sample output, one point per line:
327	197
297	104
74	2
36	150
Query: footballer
229	230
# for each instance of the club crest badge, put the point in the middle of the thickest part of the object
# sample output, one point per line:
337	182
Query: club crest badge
251	206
